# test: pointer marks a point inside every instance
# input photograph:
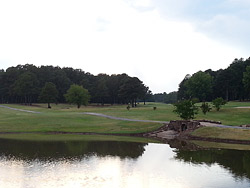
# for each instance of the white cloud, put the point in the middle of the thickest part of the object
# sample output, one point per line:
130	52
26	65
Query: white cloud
227	21
112	36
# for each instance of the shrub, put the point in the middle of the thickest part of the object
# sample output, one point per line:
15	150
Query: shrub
218	102
205	107
186	109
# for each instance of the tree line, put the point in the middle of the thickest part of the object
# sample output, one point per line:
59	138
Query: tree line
169	98
232	83
29	84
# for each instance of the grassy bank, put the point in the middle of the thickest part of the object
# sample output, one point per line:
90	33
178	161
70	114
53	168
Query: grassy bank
217	145
222	133
228	115
67	118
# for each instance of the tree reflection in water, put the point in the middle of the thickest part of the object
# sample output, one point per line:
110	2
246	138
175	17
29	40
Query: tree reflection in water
31	150
237	162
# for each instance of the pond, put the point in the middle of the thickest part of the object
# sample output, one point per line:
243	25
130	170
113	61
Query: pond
119	164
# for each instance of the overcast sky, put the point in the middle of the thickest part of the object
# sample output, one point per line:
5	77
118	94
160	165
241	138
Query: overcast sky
159	41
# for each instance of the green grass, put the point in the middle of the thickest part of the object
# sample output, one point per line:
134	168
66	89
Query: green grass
223	133
217	145
228	114
62	137
67	118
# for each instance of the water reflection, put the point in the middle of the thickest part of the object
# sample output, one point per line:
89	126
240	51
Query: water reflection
118	164
28	150
238	162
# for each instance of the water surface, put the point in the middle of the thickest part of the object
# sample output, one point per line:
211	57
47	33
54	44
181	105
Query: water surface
119	164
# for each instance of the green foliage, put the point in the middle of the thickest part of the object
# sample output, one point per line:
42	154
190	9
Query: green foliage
218	102
131	90
246	79
24	83
232	83
199	86
77	95
170	98
186	109
205	107
49	93
26	86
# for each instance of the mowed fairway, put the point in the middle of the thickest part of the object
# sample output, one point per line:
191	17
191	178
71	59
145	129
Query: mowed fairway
67	118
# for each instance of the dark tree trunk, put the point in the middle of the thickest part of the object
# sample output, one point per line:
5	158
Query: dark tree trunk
25	100
132	103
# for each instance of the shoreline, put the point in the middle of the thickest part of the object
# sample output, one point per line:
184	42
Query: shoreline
166	138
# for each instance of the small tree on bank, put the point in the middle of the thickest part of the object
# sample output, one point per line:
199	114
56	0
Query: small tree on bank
218	102
77	95
186	109
49	93
205	107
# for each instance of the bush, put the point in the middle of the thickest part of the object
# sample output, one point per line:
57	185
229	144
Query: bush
205	107
186	109
218	102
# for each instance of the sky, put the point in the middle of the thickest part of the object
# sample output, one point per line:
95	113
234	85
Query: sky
158	41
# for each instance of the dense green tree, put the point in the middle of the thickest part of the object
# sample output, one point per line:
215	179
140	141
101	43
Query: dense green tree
246	79
2	92
26	86
186	109
100	90
199	86
49	93
61	81
236	87
147	94
159	97
221	84
131	90
171	97
77	95
103	88
113	85
164	97
182	91
218	103
226	83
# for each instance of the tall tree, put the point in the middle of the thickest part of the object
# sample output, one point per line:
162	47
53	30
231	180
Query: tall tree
100	89
182	91
77	95
131	90
26	86
199	85
49	93
171	97
246	80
